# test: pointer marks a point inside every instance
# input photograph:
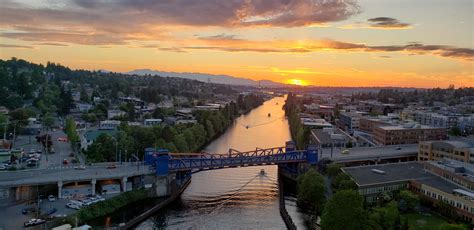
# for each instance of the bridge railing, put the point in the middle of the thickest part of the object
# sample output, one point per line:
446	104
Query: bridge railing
269	156
232	153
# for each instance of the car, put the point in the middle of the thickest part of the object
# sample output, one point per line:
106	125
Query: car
80	167
51	211
398	148
51	198
73	206
345	151
3	167
71	154
25	211
63	139
51	150
65	161
34	222
112	166
77	203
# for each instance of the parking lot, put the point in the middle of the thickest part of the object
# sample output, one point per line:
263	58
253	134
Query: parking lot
13	218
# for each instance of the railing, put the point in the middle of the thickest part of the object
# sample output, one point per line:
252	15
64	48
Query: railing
235	159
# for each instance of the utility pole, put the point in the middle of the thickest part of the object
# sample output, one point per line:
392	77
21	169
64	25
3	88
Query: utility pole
116	148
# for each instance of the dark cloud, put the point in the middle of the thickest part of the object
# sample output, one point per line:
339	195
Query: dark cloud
220	37
275	46
15	46
50	44
386	22
172	49
124	20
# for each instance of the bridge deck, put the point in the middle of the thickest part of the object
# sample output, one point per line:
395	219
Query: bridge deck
52	176
235	159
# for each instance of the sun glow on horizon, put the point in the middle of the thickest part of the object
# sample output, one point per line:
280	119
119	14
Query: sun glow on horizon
297	82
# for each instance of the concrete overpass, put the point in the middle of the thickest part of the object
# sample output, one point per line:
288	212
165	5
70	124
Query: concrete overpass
379	154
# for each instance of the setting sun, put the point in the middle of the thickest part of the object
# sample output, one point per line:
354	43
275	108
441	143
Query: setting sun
297	82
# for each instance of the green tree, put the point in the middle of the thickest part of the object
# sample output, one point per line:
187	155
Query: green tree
48	120
347	185
410	198
455	131
333	169
344	210
190	139
70	130
210	130
102	150
311	190
447	226
180	143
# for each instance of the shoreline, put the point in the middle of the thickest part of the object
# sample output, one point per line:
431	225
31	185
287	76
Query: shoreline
133	222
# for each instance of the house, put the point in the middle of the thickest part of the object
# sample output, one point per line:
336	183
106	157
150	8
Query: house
108	125
152	122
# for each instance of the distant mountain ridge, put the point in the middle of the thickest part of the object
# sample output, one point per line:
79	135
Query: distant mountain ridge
219	79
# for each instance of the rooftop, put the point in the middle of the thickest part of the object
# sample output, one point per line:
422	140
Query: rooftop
406	127
379	152
396	172
440	184
91	135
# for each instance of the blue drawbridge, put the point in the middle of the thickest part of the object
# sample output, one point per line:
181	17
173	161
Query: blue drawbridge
165	162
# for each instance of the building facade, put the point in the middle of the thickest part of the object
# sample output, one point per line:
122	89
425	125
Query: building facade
399	135
438	150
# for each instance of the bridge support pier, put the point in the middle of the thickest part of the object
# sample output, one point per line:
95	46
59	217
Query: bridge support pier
162	186
60	189
93	183
124	184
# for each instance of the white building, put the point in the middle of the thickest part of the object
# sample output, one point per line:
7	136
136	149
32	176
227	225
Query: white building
152	122
111	113
109	124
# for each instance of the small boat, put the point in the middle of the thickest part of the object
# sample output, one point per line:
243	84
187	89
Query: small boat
276	103
269	114
262	172
247	127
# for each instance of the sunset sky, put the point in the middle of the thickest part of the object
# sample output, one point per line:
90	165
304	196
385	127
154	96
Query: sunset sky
408	43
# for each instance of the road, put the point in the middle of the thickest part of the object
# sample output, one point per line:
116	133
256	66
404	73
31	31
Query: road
62	149
53	175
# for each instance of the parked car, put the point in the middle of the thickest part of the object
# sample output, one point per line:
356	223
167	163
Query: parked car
34	222
3	167
80	167
51	211
73	206
64	139
25	211
65	161
112	166
51	198
71	154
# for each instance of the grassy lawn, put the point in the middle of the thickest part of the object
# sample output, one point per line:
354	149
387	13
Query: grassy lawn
418	221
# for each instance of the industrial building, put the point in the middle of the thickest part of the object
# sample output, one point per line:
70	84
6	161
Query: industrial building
440	181
409	133
438	150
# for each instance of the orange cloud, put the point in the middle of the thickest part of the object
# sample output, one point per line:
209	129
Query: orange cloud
233	44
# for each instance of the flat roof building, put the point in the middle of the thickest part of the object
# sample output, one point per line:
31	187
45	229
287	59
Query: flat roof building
438	150
447	181
407	134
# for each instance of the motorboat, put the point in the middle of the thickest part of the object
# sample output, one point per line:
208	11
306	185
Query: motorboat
262	172
269	114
